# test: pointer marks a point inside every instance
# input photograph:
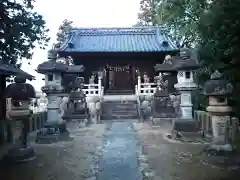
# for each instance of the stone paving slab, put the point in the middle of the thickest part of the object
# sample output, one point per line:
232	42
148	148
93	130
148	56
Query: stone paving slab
120	158
171	160
70	160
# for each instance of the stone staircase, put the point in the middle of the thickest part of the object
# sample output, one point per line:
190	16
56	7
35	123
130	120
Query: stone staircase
112	110
119	92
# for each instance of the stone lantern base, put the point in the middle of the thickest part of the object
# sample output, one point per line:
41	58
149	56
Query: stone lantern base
21	151
185	125
20	155
52	132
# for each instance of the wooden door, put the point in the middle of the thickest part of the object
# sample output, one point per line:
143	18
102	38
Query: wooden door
123	80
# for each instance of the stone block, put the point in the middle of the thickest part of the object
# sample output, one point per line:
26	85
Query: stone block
184	125
20	154
53	133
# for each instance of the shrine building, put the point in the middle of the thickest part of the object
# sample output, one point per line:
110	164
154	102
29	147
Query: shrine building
118	55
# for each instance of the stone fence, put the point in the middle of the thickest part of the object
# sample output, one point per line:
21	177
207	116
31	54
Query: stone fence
204	120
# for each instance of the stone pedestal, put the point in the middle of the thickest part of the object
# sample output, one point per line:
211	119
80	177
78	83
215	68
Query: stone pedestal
186	123
55	127
220	118
219	124
186	105
53	109
21	151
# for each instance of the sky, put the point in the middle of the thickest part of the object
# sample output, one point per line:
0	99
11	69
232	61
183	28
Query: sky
83	13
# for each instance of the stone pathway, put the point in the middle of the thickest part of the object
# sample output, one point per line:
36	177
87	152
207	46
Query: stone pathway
119	160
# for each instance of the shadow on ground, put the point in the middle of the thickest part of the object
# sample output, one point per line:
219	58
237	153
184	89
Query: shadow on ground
70	160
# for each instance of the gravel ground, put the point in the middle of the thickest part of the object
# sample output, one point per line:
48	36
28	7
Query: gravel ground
171	160
71	160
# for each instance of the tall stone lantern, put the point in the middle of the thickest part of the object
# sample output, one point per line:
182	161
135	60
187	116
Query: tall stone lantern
218	89
20	94
53	71
185	66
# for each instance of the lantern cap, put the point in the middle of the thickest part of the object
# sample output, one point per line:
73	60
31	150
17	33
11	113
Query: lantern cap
217	85
185	61
20	90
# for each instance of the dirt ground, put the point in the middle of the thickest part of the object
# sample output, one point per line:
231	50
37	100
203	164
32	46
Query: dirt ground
71	160
78	159
171	160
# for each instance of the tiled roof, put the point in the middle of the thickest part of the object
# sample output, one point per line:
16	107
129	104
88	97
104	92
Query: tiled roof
7	69
135	39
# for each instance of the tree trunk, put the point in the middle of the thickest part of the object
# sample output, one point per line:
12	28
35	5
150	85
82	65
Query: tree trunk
2	107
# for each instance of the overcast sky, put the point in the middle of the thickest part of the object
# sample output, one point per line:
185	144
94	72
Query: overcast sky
84	13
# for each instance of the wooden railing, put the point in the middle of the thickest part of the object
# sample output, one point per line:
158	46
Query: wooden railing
94	89
145	88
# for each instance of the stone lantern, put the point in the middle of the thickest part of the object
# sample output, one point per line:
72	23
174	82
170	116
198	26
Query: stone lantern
77	104
185	66
53	71
162	104
218	89
20	95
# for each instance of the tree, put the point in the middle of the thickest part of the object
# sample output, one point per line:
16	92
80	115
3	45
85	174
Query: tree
179	18
219	48
147	12
63	30
21	30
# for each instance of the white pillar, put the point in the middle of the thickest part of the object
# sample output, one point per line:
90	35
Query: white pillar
185	86
139	84
54	88
53	109
102	91
99	85
186	105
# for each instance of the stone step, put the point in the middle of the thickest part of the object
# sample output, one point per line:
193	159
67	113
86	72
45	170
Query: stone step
119	98
119	103
119	92
121	113
112	117
75	117
120	109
